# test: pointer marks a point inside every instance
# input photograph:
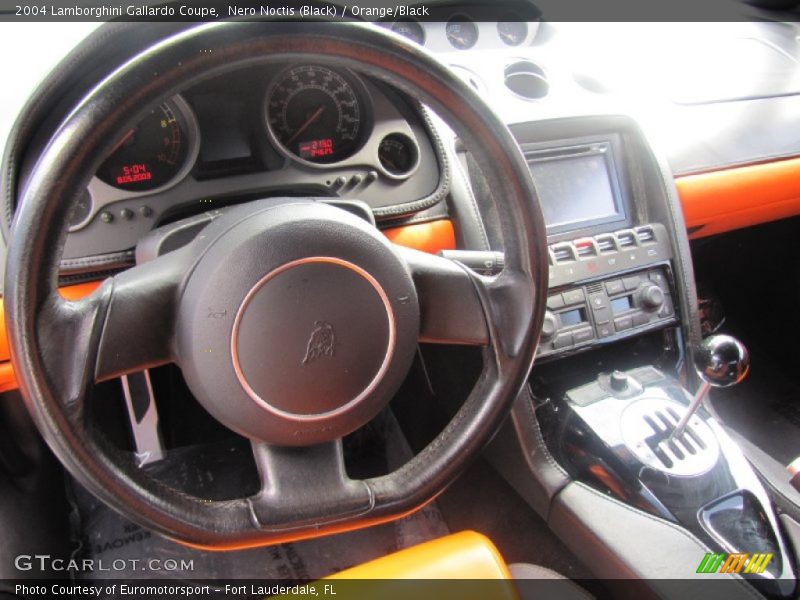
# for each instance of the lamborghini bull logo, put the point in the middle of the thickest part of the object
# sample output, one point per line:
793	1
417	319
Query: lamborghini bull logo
321	343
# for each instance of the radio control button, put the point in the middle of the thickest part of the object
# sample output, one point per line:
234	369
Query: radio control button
640	318
574	296
598	301
562	341
582	335
602	315
614	287
555	302
651	296
605	330
631	283
623	323
549	325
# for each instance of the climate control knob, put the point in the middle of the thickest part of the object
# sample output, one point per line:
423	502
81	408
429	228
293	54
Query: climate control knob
549	325
650	296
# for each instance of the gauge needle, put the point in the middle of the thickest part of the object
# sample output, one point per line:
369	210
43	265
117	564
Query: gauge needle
315	115
124	139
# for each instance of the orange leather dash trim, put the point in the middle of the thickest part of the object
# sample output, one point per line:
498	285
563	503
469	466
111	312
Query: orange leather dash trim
464	555
7	379
729	199
429	237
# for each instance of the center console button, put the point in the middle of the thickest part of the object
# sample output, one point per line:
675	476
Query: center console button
574	296
631	283
623	323
618	381
555	302
640	318
549	325
650	296
602	315
582	335
563	340
598	301
666	308
614	287
605	330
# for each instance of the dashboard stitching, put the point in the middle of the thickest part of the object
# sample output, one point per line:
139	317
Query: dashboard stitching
444	181
528	406
44	92
473	202
126	256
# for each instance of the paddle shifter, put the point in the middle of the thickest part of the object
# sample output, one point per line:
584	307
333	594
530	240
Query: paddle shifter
721	361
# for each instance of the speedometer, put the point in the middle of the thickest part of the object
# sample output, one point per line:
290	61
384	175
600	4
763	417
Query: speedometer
315	114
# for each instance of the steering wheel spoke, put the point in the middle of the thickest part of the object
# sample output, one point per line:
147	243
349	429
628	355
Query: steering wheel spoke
304	487
139	324
450	300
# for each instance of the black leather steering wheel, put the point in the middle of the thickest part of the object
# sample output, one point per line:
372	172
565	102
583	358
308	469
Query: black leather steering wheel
293	322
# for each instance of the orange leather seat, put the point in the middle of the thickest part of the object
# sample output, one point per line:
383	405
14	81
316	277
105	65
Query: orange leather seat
463	565
465	555
455	562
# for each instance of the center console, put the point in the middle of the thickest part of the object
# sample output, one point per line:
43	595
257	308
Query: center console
611	403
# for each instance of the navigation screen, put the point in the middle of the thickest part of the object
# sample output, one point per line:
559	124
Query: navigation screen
575	190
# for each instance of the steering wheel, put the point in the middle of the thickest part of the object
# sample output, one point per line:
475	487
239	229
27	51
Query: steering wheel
293	322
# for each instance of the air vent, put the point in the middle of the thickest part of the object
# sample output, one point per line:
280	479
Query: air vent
646	234
563	253
605	243
626	239
586	248
527	80
595	288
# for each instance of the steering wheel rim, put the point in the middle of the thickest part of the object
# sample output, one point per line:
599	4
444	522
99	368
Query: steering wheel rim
58	348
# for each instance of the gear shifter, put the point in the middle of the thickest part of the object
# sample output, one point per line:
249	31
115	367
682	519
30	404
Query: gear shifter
638	435
721	361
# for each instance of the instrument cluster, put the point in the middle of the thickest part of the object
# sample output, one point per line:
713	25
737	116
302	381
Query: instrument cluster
307	119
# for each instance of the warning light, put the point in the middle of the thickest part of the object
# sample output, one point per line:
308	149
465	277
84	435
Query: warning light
134	174
315	148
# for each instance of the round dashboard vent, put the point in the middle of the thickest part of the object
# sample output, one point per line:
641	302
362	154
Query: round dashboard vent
527	80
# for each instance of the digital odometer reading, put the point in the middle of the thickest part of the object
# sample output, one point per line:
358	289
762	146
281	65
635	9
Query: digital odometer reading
315	148
315	114
150	155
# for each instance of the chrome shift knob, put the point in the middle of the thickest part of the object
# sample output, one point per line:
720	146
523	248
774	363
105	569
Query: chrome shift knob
722	361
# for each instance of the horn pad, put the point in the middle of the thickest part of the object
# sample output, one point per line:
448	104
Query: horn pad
298	324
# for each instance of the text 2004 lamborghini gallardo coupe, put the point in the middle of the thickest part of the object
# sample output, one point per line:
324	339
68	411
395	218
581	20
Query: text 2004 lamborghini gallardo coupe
292	299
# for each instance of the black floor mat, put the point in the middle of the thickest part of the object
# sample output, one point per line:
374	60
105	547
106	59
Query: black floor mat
482	500
108	537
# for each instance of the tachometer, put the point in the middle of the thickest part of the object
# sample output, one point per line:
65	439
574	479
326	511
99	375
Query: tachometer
151	154
315	114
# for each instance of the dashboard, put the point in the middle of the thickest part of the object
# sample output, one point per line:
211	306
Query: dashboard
291	129
314	130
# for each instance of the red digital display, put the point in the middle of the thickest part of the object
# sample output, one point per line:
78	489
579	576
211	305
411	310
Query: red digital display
134	174
315	148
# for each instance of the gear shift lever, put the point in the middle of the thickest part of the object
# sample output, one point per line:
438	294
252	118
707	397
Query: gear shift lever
721	361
